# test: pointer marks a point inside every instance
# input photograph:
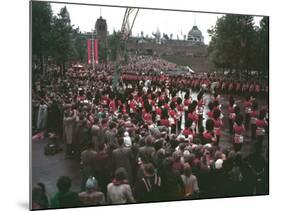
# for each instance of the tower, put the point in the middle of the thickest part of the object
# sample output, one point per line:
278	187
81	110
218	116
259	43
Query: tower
101	29
101	36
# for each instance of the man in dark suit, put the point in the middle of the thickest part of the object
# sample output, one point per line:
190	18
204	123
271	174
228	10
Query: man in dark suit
123	157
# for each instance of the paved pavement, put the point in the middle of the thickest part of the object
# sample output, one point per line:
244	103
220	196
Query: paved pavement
47	169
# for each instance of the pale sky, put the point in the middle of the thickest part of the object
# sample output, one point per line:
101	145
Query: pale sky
176	22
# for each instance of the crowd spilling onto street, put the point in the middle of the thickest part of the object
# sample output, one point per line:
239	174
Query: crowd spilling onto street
147	138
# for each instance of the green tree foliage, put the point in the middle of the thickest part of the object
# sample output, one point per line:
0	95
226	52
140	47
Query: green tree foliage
41	27
103	52
263	47
79	46
114	43
61	38
234	44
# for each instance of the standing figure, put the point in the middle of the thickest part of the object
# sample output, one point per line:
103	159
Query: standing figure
231	114
69	122
253	115
247	105
42	115
217	125
239	130
261	125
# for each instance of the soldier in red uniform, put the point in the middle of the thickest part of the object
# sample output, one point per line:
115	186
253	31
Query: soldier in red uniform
238	88
188	131
209	135
247	106
186	103
261	125
239	130
217	124
253	115
200	107
173	117
192	114
257	90
210	112
179	108
231	114
164	118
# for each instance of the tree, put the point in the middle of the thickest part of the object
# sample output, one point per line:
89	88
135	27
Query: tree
263	47
41	27
114	43
61	39
231	43
79	46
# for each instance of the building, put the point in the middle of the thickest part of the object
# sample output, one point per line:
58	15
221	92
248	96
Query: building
191	50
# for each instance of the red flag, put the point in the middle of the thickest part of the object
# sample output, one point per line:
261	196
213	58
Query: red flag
89	51
96	50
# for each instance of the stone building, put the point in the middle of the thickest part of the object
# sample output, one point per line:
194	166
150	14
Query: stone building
191	51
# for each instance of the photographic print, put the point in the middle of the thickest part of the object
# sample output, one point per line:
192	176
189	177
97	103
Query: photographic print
137	105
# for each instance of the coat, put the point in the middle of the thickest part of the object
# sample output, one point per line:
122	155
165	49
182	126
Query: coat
96	136
65	199
42	116
91	199
122	157
69	123
119	194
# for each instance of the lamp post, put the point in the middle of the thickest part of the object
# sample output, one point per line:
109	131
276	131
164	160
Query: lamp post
93	59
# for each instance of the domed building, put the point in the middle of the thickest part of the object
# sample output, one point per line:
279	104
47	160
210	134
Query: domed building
195	35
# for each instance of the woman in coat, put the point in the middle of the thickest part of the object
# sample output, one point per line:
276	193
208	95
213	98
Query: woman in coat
119	191
69	122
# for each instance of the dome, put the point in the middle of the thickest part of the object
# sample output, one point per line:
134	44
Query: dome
195	34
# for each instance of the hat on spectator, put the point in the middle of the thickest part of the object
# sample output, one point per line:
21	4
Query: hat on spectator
218	164
91	183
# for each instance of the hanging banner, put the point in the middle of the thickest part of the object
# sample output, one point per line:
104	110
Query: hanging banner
96	50
89	51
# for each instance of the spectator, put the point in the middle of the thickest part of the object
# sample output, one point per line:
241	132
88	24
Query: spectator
64	197
190	183
119	190
91	196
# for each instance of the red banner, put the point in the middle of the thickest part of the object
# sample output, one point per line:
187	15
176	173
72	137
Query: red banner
89	51
96	50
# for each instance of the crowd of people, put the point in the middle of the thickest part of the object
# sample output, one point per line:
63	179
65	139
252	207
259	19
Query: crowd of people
148	139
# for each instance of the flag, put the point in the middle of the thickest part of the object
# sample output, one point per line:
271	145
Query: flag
89	51
96	50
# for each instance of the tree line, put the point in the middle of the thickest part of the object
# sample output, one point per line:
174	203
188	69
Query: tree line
237	45
53	37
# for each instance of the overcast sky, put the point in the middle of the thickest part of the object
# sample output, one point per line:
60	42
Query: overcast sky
178	23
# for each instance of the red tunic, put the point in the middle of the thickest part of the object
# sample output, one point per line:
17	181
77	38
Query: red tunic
112	106
217	126
187	102
238	130
254	115
187	131
261	125
147	117
164	122
210	114
193	116
209	137
133	106
257	88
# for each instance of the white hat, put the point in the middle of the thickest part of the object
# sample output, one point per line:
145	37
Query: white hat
208	145
218	164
